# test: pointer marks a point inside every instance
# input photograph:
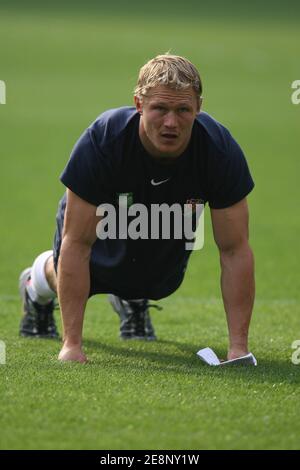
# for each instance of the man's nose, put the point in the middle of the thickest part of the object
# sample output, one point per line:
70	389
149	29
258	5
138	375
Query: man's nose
170	119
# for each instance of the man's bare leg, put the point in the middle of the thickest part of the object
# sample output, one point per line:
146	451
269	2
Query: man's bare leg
51	274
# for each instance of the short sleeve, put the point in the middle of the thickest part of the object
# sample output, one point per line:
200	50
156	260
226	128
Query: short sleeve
87	172
230	177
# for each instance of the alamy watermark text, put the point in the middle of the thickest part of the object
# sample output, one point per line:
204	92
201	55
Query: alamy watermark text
296	354
296	94
159	221
2	92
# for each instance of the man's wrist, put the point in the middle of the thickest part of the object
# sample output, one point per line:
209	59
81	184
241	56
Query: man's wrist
72	342
238	340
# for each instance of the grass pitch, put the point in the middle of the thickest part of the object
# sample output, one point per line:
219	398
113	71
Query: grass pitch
61	71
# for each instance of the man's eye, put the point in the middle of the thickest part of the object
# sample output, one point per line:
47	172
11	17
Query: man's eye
183	110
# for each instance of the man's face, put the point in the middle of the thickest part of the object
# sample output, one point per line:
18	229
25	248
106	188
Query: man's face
167	118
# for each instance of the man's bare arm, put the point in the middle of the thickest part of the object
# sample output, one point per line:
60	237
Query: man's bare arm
73	280
230	227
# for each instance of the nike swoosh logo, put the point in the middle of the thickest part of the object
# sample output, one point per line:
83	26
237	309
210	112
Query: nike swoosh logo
156	183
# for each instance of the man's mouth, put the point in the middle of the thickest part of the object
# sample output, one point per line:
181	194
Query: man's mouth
169	135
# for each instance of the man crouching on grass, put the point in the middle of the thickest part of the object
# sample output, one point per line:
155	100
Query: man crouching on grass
162	151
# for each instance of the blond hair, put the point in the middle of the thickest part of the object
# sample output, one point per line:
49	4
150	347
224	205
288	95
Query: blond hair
172	70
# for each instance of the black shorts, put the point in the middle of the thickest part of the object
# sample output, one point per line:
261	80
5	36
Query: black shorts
101	285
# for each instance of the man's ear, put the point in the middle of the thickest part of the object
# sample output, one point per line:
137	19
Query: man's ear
138	104
200	101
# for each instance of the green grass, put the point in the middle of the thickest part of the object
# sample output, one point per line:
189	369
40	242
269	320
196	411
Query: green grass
61	71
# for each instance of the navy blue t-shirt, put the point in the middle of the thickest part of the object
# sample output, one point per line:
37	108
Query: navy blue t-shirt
109	159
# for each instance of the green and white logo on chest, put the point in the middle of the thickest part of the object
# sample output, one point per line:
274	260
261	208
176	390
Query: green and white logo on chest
125	199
